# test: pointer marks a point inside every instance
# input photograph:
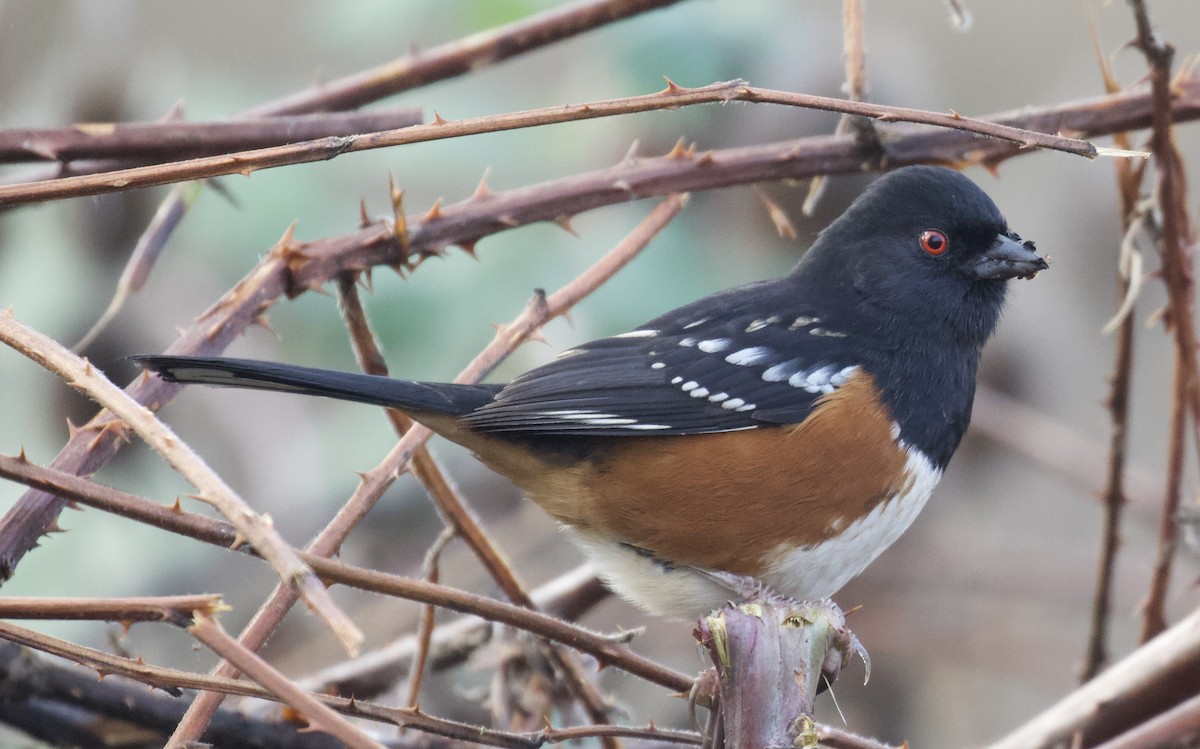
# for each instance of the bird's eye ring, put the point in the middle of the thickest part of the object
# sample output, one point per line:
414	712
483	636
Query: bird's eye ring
934	242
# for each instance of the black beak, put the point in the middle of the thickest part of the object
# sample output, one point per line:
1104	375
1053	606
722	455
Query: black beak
1008	257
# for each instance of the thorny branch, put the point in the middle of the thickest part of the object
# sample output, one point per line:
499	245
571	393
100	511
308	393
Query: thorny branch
1171	193
173	681
373	483
1114	495
605	649
252	527
672	97
173	141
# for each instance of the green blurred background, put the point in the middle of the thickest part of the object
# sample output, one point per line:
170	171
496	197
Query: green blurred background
975	620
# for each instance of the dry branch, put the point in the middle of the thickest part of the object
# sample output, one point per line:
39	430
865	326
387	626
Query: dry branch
672	97
319	716
605	649
287	271
172	141
255	529
508	337
128	610
460	56
1177	273
1146	682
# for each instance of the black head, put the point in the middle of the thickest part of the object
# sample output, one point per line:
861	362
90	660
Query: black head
923	249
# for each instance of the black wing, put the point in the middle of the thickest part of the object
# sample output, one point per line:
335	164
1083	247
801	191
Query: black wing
720	364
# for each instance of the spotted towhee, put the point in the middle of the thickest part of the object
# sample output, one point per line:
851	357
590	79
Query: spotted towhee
782	433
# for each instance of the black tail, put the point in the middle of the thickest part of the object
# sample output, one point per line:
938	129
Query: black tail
442	398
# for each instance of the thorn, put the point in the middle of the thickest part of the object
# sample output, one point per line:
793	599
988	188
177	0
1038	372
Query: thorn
72	430
40	149
175	113
177	507
955	115
126	625
399	224
536	335
363	219
433	213
852	610
783	224
21	456
438	119
672	87
482	191
238	541
632	156
707	159
87	368
468	246
54	527
679	151
564	223
263	322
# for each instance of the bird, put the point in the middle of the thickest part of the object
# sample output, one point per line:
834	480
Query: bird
773	438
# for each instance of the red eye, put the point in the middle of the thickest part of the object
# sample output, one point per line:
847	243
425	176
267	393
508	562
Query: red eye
934	242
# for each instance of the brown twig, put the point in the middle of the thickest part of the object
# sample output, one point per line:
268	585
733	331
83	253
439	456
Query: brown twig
174	680
376	481
1177	276
1149	680
459	56
430	572
318	715
173	141
452	506
1129	178
129	610
444	61
373	672
854	57
606	649
1179	726
255	529
672	97
47	694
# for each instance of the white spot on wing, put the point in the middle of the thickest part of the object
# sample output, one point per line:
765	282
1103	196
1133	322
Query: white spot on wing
657	365
713	345
802	322
718	397
696	324
687	342
638	334
733	403
689	385
760	324
827	333
749	356
781	372
699	393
